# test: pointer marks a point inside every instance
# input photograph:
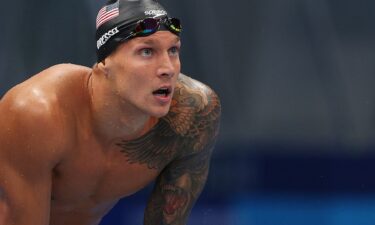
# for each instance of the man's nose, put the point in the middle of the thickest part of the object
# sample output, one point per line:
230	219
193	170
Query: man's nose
167	67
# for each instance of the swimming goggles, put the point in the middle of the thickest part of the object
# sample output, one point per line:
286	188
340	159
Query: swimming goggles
149	26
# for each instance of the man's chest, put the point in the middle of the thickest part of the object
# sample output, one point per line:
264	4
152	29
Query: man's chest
92	175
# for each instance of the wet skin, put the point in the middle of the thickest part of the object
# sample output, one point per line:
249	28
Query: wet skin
75	140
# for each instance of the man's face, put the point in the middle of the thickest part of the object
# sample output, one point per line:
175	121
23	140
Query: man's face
143	72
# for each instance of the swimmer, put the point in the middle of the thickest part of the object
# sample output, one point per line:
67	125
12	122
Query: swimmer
75	140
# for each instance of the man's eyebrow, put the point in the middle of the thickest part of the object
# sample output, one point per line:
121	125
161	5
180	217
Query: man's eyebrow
149	41
178	39
153	41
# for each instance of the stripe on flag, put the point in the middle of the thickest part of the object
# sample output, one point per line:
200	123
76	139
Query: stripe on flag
107	13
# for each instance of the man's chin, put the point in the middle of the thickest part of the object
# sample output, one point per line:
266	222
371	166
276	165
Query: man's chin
161	112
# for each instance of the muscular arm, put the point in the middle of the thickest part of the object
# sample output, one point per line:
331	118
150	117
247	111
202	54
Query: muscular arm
195	119
25	163
176	191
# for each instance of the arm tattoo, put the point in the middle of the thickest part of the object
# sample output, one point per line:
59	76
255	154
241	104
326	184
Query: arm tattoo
194	121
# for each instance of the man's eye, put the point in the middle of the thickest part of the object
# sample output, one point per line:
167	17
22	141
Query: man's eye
146	52
174	50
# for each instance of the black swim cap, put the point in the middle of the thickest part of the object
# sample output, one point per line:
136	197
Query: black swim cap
118	18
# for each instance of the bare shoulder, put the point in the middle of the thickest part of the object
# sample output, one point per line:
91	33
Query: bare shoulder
28	123
196	96
191	84
50	80
195	112
41	94
27	131
32	112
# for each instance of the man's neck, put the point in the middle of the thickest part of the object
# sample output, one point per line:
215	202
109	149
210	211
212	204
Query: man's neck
112	119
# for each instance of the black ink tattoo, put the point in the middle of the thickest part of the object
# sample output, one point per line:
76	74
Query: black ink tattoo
156	148
194	120
191	120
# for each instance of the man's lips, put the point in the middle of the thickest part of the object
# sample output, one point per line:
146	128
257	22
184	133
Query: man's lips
163	94
163	91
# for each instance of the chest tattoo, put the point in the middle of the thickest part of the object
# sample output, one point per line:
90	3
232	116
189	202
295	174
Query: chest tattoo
155	149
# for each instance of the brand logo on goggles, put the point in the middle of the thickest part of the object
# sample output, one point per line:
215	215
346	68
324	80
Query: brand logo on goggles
155	13
106	37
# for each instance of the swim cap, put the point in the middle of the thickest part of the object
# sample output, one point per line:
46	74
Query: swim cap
118	18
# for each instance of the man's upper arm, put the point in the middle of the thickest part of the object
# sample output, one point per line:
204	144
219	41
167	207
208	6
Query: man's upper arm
26	162
180	183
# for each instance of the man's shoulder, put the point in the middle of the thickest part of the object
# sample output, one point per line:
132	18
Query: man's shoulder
27	109
195	111
42	92
65	69
40	103
28	125
195	94
35	115
26	100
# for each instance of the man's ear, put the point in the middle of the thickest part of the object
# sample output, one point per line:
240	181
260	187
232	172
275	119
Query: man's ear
103	67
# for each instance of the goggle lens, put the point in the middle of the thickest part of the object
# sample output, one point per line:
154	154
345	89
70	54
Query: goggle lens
151	25
146	26
175	25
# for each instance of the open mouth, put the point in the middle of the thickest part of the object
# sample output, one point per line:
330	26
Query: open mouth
164	92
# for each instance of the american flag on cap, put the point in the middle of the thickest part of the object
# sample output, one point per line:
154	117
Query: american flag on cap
107	13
